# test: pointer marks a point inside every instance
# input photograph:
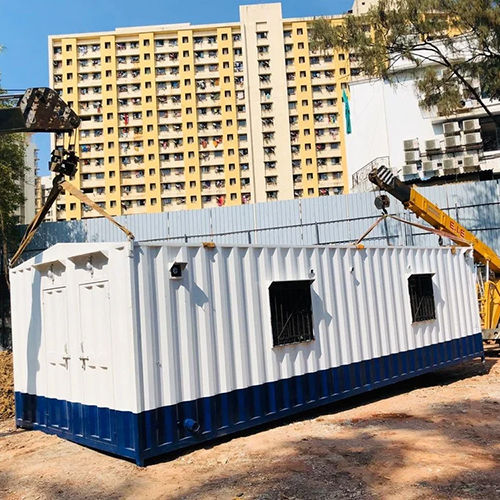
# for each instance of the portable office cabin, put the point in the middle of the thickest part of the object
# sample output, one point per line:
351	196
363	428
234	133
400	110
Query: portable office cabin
140	349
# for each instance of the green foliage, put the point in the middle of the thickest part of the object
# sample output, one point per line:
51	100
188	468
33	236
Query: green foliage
452	45
12	172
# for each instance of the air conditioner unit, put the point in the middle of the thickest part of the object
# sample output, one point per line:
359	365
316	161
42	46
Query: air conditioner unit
451	128
452	142
471	163
449	165
429	167
409	170
473	139
471	125
432	145
412	156
410	144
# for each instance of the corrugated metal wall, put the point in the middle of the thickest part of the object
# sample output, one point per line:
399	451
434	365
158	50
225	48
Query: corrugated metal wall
336	219
210	332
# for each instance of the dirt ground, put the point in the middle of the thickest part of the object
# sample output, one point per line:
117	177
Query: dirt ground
6	386
437	436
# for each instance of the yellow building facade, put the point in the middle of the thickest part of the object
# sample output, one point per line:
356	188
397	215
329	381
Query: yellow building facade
184	117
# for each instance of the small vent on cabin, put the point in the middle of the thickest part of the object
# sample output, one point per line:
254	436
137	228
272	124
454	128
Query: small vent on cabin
291	312
421	297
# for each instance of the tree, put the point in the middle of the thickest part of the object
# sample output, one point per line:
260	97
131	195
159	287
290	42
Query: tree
451	46
12	172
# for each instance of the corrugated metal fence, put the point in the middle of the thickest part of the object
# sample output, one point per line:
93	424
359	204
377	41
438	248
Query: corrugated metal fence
336	219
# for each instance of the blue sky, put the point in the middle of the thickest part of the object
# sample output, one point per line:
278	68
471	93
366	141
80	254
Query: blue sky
25	26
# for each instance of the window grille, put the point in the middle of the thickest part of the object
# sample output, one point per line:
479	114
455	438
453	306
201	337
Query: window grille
291	312
421	297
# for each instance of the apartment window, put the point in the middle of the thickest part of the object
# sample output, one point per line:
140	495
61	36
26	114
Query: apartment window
107	45
187	96
302	74
109	87
185	39
190	140
341	57
187	67
192	184
70	90
149	113
112	189
224	36
309	161
145	43
69	76
111	144
191	154
68	48
229	122
225	50
301	45
148	85
147	57
309	177
291	312
307	131
231	166
189	125
305	117
305	102
111	159
149	98
229	137
108	72
112	173
299	31
310	191
151	142
302	59
109	116
192	170
147	71
187	81
149	128
225	65
151	157
227	79
303	88
421	297
227	93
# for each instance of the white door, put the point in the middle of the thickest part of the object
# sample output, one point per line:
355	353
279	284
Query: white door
56	339
95	344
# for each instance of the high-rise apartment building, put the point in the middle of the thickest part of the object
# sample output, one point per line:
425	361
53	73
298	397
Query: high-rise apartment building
181	116
26	211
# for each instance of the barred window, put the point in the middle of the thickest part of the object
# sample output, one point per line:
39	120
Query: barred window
291	312
421	297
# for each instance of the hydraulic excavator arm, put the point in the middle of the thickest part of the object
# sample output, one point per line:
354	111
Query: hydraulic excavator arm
489	297
42	110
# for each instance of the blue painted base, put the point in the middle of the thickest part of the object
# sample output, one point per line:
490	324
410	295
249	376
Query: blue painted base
155	432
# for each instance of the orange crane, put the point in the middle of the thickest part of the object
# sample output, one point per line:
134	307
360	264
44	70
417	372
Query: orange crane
489	283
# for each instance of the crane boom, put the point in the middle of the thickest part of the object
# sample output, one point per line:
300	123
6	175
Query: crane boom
489	298
432	214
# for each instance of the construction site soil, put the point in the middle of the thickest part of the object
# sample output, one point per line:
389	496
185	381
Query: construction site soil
436	436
